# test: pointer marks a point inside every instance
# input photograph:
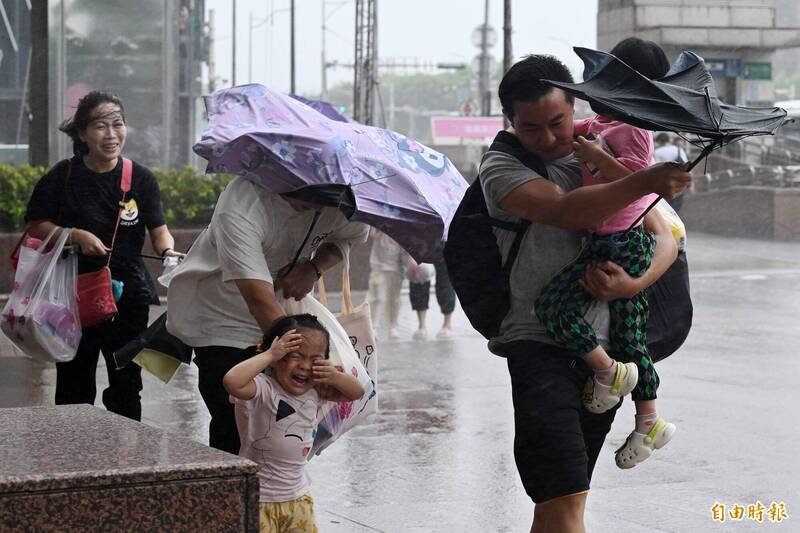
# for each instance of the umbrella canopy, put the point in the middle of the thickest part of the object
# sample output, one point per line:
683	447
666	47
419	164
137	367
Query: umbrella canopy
683	101
323	107
385	179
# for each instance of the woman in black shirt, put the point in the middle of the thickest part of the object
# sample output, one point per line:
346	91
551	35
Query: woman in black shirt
84	193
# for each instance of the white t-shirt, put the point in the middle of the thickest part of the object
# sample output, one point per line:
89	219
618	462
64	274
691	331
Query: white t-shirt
669	152
253	234
387	255
277	431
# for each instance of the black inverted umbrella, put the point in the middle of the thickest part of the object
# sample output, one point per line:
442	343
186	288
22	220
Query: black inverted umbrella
683	101
156	350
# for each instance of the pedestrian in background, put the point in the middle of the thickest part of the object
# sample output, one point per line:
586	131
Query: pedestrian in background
668	150
387	264
419	294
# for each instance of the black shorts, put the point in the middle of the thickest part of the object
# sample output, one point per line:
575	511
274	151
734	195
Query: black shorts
419	293
556	440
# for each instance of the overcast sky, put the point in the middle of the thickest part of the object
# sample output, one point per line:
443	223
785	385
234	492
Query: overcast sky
437	30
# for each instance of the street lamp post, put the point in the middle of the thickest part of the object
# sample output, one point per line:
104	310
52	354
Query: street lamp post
325	16
483	80
507	52
233	53
292	47
255	23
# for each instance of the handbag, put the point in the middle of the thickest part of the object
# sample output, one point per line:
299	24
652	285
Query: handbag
95	297
96	302
357	323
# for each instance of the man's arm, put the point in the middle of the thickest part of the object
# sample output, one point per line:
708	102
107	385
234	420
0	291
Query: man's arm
261	302
609	281
301	279
327	255
543	202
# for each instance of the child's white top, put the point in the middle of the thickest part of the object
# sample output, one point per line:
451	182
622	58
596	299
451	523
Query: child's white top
277	430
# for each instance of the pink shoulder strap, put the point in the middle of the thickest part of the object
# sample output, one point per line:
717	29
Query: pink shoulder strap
125	185
127	175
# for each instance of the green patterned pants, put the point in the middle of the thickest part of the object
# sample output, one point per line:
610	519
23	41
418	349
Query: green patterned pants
562	304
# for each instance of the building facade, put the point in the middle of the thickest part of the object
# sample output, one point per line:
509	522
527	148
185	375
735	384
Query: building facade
738	39
15	48
149	52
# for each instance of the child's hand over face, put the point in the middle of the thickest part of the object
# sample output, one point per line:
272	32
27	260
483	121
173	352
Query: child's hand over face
289	342
324	373
588	150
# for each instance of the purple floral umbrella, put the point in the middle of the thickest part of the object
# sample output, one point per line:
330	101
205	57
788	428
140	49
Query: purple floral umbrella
386	180
323	107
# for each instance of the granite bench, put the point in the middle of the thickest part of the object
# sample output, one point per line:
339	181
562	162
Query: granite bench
81	468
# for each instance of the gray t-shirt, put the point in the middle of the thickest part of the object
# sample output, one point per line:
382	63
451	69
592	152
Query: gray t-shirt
544	249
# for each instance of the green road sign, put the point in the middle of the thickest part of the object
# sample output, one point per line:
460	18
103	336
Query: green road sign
757	71
451	66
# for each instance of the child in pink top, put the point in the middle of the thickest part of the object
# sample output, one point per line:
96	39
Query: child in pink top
633	149
609	150
276	415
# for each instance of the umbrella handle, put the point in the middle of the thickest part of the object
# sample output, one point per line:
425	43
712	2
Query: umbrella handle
707	150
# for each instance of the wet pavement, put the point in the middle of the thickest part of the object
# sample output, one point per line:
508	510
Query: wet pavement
438	456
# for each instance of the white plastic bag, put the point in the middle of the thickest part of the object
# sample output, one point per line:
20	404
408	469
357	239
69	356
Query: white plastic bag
420	272
41	315
674	221
170	265
336	418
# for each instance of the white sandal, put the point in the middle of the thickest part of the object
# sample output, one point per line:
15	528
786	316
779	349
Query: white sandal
599	398
640	446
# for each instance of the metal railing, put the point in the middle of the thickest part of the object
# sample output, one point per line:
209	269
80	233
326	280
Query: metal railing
757	161
779	176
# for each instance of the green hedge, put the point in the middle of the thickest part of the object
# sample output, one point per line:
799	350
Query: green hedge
188	196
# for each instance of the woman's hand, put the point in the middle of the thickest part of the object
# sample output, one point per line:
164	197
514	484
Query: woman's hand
88	243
